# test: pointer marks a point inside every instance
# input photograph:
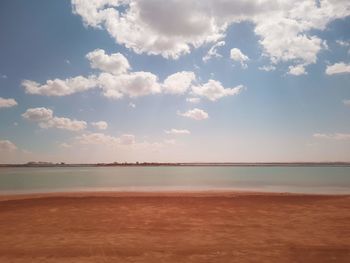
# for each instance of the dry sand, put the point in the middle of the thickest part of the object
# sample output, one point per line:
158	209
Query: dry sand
175	227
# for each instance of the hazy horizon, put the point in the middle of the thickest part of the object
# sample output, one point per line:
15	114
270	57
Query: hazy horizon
174	81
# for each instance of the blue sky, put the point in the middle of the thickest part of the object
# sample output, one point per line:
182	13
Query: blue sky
92	81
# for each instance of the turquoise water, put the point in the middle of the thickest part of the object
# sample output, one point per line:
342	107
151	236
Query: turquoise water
327	180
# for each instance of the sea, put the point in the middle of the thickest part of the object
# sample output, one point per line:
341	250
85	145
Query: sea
310	180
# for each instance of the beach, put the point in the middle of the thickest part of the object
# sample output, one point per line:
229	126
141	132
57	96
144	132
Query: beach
174	227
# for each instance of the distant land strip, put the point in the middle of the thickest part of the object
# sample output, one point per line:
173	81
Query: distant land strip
272	164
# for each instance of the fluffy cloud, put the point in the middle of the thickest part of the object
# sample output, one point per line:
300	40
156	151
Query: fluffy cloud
172	28
101	125
116	82
38	114
46	120
179	82
297	70
196	114
213	90
59	87
333	136
169	28
115	63
64	124
176	131
286	32
237	55
134	84
7	146
7	103
338	68
213	51
283	40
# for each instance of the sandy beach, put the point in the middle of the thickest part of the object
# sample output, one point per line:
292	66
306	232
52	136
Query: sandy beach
174	227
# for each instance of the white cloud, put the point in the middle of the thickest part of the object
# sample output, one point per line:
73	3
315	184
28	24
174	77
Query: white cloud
116	83
38	114
46	120
134	84
64	124
101	125
132	105
297	70
193	100
286	32
58	87
103	139
169	28
3	76
115	63
213	51
7	103
213	90
283	40
173	28
177	131
179	82
332	136
196	114
338	68
237	55
267	68
343	43
346	102
7	146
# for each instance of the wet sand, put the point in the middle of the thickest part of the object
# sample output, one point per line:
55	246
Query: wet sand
174	227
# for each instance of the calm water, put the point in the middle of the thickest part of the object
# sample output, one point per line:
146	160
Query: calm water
334	180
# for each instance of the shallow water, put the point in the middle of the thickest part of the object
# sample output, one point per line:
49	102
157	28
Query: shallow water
325	180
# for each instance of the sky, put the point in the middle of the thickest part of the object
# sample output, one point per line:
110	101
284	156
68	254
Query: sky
174	81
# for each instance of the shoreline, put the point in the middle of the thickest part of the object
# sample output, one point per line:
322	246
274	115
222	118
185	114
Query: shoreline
166	193
194	164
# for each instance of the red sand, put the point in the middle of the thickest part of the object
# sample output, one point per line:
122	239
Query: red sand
215	227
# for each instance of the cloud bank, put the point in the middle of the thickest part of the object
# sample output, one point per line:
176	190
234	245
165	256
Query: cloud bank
175	27
116	81
45	118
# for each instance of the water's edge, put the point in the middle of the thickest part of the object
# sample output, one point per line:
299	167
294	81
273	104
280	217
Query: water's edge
304	180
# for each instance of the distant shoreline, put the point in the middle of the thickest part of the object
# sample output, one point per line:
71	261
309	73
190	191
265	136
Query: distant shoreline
166	193
146	164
